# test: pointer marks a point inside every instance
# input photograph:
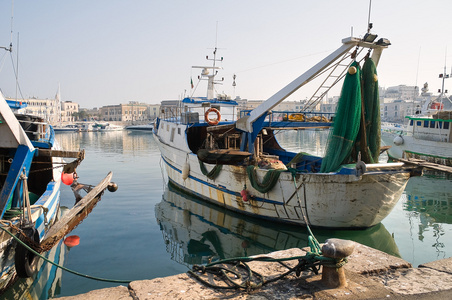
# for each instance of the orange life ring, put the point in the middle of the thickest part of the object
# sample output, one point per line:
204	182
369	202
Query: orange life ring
212	121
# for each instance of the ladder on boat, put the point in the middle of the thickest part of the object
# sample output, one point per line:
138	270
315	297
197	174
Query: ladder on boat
335	72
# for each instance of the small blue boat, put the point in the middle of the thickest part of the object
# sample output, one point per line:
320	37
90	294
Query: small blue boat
31	169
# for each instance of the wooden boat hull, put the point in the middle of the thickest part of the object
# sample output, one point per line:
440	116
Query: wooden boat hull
327	200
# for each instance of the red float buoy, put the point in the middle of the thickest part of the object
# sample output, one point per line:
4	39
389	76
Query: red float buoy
67	178
72	241
245	195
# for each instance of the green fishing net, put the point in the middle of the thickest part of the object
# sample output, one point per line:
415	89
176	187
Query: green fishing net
370	149
346	122
355	130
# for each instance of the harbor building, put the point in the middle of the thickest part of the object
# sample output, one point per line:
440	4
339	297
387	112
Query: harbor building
69	111
130	113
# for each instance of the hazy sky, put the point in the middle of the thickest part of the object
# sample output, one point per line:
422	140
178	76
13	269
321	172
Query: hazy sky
110	52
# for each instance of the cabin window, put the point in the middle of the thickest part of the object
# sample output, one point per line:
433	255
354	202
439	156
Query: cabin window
426	124
411	122
178	130
173	130
432	124
418	123
440	125
446	125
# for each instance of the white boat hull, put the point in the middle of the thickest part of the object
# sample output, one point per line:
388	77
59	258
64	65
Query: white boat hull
431	151
333	201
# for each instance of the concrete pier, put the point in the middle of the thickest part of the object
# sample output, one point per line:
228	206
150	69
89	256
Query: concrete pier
370	274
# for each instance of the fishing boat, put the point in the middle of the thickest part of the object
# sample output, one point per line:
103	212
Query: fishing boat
347	188
32	170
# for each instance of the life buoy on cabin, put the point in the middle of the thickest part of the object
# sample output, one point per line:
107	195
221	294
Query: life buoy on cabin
26	261
212	121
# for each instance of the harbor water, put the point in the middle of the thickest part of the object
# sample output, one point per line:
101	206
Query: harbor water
148	229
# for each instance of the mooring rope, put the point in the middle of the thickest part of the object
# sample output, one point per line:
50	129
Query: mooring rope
236	269
60	266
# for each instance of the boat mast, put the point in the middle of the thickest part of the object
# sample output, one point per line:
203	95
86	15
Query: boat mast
206	74
444	76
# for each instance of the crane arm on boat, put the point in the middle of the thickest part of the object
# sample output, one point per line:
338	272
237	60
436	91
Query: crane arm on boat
245	123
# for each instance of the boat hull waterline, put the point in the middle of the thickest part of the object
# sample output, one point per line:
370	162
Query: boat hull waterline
341	201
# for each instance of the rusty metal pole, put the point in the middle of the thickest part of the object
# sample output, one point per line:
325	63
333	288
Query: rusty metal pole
334	276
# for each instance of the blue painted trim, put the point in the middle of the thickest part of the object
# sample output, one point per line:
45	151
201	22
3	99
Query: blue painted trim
205	100
48	199
22	159
15	105
223	189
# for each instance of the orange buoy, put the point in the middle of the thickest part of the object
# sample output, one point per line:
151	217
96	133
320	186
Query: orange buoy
212	121
72	241
67	178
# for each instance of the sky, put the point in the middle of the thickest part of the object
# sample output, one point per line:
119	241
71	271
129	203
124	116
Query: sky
110	52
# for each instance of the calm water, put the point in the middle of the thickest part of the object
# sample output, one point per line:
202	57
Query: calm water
147	229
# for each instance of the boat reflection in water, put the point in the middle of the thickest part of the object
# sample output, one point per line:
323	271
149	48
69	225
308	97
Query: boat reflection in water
197	232
429	203
46	283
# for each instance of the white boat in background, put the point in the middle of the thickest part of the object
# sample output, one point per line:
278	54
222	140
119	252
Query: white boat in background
238	164
109	127
87	126
67	128
146	127
426	136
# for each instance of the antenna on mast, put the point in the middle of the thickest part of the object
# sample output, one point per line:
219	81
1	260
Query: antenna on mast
10	49
369	25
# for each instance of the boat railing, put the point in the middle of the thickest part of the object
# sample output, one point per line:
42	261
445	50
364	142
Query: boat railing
193	115
278	116
38	131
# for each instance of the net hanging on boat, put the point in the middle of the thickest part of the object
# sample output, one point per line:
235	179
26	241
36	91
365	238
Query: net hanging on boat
346	122
369	143
357	122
